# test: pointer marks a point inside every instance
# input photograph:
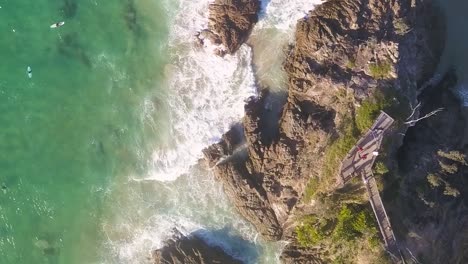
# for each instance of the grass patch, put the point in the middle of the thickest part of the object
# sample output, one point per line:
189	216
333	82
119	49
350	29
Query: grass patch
311	189
380	70
338	149
370	109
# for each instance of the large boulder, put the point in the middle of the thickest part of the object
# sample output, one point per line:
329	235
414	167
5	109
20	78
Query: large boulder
191	250
230	23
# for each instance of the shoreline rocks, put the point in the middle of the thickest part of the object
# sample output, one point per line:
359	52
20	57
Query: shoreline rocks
331	70
230	24
191	250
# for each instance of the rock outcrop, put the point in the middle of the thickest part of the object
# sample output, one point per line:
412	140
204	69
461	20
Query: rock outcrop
230	23
191	250
344	51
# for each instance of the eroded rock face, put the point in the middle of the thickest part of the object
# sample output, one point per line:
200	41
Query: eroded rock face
230	23
268	180
191	250
330	71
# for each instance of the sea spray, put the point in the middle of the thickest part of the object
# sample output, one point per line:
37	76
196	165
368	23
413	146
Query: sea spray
270	39
206	93
206	96
283	15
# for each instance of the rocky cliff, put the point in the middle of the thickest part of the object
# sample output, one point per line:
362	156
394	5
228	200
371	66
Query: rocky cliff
230	23
191	250
345	52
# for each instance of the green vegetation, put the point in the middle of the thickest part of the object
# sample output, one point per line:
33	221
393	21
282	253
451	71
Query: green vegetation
380	70
346	227
351	130
354	223
338	149
311	231
335	152
380	168
347	232
311	188
370	109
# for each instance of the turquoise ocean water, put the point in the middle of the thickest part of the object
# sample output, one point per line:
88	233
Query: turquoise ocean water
98	150
76	125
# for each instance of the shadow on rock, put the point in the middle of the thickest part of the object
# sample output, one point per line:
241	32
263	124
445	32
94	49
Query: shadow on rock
206	246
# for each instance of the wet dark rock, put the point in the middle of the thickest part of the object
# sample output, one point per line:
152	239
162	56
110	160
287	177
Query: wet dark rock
191	250
329	72
230	23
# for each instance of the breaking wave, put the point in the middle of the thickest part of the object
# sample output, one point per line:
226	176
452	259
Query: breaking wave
206	93
206	96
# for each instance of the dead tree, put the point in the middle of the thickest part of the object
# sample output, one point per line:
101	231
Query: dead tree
412	120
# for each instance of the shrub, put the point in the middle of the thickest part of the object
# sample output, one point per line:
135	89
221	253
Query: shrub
374	241
360	223
354	223
380	168
311	188
380	70
344	228
310	232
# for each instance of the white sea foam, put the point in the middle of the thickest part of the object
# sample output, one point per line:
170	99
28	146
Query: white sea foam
283	15
206	93
461	91
146	213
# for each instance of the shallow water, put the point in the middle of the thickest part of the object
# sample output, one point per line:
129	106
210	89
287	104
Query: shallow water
97	149
76	125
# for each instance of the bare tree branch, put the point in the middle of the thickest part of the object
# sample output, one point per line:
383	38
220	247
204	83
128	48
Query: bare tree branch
413	257
413	122
413	110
